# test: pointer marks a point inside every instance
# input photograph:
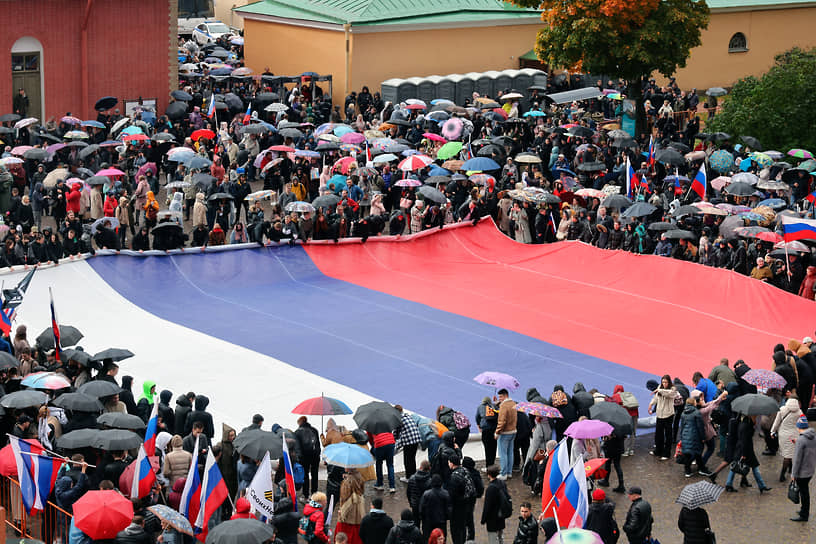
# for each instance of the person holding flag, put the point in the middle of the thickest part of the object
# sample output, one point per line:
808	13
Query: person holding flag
143	475
290	476
213	494
700	182
572	499
37	474
261	492
558	467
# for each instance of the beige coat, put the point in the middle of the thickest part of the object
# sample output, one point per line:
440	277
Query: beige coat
785	426
177	462
96	204
199	211
663	400
122	211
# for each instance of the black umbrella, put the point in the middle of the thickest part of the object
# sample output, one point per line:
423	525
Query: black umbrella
593	166
266	98
116	439
163	137
679	234
626	142
582	399
99	389
43	135
291	133
233	102
97	180
79	402
167	225
77	355
36	154
256	128
176	110
396	149
490	150
178	94
114	354
489	105
436	180
670	156
638	209
614	414
9	118
118	420
219	196
328	146
399	122
752	404
378	417
326	201
105	103
241	531
662	226
739	189
583	132
254	443
687	209
432	194
752	142
680	146
81	438
616	201
76	143
24	399
719	136
7	360
203	179
69	336
88	151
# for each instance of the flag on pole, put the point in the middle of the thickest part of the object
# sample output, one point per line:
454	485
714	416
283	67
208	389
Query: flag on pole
798	229
557	469
700	182
55	329
36	473
5	321
11	299
290	476
632	182
152	430
143	476
261	492
811	198
651	159
248	114
213	494
191	494
572	499
211	107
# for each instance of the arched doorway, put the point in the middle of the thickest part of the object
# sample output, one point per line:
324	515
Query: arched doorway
26	73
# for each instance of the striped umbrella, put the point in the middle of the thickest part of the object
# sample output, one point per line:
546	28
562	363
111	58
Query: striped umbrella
415	162
322	406
800	153
351	148
538	409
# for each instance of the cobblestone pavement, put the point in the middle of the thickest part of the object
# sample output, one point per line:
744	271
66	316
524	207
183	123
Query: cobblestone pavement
743	517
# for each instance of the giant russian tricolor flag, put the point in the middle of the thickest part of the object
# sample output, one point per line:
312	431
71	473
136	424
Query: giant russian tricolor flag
798	229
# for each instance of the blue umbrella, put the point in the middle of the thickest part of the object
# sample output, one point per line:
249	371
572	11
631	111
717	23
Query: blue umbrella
558	171
535	113
721	161
481	164
149	117
172	517
95	124
438	171
133	130
221	72
347	455
197	162
745	165
339	181
342	129
775	203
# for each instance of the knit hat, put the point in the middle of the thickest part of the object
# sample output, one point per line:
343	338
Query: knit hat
598	495
802	423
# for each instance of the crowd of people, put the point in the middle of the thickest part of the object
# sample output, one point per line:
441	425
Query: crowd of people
693	422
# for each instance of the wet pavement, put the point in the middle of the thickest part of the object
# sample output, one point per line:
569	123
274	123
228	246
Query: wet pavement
742	517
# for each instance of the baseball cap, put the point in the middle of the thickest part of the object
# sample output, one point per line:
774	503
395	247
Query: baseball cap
634	490
807	340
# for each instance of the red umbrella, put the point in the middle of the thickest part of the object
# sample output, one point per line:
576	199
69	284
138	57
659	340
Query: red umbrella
282	148
343	164
202	133
102	514
8	465
769	237
126	478
501	112
135	138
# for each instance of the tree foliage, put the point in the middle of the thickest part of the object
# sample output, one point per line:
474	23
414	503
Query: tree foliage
778	108
620	38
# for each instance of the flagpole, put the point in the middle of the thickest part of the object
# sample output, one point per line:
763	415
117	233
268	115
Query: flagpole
32	454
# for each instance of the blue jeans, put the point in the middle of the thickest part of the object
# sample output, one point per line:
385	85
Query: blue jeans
757	476
710	446
506	453
384	453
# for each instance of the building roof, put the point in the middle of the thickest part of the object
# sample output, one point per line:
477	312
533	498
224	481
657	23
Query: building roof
745	5
383	12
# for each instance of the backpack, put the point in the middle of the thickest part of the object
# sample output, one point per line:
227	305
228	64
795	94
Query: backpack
461	421
310	445
505	503
628	399
298	474
462	474
400	537
490	413
559	398
306	528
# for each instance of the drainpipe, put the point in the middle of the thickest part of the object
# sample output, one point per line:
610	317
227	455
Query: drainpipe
347	31
84	58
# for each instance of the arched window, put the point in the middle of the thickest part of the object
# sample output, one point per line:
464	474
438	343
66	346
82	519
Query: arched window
738	43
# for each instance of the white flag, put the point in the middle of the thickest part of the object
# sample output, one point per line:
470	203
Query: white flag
261	492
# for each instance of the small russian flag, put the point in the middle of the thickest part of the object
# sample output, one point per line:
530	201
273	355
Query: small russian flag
290	476
248	114
811	198
700	182
143	476
211	107
152	430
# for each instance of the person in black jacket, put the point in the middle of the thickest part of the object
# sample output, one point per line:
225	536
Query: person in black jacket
462	491
601	518
491	509
638	525
134	533
435	507
375	525
286	521
140	242
184	405
613	447
446	450
201	414
694	525
126	395
470	465
201	236
309	441
418	484
168	418
744	451
527	532
405	532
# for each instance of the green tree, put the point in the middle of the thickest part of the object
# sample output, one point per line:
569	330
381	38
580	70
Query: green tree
630	39
778	108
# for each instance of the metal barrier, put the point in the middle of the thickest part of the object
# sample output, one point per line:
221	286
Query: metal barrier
50	525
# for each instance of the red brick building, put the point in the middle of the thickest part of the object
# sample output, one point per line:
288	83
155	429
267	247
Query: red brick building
69	53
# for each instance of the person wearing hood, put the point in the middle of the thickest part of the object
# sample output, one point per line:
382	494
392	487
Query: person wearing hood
317	519
126	395
243	509
228	460
803	361
581	399
618	395
559	399
145	405
286	521
439	462
174	497
405	531
141	241
435	507
784	428
199	211
487	416
200	414
542	432
162	442
807	288
453	420
692	436
804	465
151	208
177	461
166	415
184	405
376	525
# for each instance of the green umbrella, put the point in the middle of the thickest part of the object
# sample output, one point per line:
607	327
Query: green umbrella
449	150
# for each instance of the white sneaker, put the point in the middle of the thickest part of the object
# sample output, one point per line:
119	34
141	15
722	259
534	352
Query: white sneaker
392	490
403	479
501	477
379	487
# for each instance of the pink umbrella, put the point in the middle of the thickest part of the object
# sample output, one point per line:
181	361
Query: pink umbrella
343	164
720	182
352	138
434	137
111	172
415	162
53	148
589	428
20	149
147	167
452	128
71	120
408	183
415	106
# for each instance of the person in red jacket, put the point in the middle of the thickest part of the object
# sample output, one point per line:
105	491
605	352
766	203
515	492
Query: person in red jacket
109	208
242	510
72	198
633	413
382	449
315	511
808	287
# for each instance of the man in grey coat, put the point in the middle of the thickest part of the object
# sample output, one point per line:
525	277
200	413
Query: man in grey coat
804	465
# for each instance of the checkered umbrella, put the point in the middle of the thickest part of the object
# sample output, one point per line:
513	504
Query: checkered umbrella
699	494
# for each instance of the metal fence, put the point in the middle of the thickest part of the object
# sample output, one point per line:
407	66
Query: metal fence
50	525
